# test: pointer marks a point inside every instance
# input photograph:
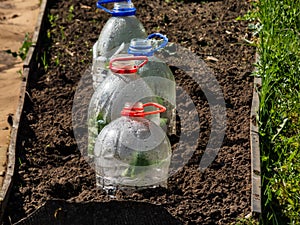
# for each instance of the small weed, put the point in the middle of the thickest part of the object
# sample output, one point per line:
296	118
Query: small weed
22	52
20	72
251	15
70	14
56	60
246	221
52	19
48	33
45	61
62	32
20	161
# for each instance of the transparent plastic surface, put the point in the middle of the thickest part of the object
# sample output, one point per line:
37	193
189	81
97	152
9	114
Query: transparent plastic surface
118	6
131	153
160	79
99	70
158	76
116	31
109	99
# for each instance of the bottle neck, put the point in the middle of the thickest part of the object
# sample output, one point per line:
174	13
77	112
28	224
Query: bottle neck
130	109
141	52
123	9
128	76
140	47
123	5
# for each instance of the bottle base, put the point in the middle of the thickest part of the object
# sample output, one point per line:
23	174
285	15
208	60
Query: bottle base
111	190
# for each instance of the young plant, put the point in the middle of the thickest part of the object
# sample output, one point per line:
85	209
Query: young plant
56	61
52	20
139	160
70	14
45	61
20	72
62	32
23	50
246	221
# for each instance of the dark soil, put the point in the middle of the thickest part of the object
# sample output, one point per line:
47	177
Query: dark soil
49	164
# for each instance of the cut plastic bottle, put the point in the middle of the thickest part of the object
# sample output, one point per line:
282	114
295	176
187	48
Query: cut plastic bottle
121	86
158	76
120	28
132	152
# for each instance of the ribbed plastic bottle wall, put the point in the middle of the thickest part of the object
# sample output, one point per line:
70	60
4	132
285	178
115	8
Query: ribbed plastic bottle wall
120	86
132	152
120	28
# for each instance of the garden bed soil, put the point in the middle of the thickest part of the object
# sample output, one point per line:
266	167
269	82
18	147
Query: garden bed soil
49	164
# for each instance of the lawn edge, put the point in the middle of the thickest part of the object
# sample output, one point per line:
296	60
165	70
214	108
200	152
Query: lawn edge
256	208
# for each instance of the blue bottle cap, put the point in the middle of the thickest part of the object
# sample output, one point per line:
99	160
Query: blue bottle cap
121	7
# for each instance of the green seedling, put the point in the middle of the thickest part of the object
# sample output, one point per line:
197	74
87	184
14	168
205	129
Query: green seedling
20	72
246	221
45	61
52	20
20	161
56	60
136	165
23	50
70	14
62	32
101	122
48	33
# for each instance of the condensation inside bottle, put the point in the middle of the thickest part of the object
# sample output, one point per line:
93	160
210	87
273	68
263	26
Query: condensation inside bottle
110	97
121	164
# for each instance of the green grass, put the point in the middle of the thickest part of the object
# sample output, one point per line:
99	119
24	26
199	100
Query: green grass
247	220
279	112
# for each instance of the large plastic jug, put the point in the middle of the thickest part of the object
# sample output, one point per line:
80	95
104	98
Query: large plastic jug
121	86
132	152
120	28
158	76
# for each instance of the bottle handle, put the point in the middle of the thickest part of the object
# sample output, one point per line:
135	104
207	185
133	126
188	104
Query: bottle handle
134	58
127	70
132	113
160	108
100	2
159	35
